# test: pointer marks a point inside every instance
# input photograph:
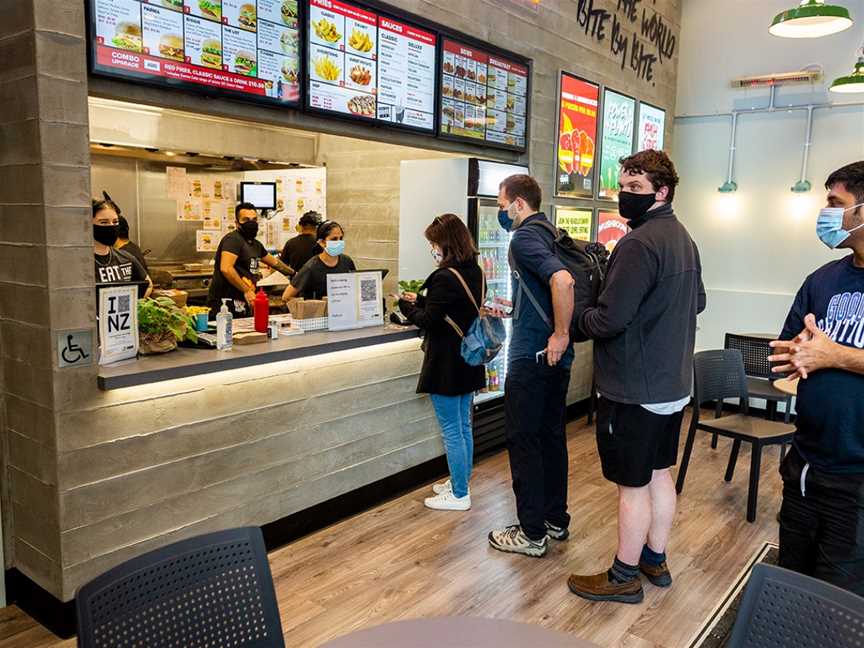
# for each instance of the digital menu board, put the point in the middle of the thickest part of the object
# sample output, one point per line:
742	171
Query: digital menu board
369	66
652	122
575	221
619	114
484	96
611	228
249	47
577	136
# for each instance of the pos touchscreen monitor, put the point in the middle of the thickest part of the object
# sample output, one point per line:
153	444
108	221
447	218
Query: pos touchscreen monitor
260	194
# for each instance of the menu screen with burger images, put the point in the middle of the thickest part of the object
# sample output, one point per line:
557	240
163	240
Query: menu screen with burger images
369	66
249	47
484	96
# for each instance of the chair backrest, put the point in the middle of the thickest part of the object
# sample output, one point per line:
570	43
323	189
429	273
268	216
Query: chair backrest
781	608
718	375
211	590
754	351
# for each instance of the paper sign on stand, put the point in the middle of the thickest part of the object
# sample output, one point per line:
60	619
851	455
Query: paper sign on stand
118	323
354	300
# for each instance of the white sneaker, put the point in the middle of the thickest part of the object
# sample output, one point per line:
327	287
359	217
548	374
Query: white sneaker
447	501
442	487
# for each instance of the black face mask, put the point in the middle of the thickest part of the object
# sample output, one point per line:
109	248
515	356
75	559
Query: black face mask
249	229
633	206
105	234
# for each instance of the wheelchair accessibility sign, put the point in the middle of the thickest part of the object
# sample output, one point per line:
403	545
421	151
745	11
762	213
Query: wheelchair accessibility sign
74	348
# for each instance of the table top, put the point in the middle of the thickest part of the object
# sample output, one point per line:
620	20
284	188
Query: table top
787	386
458	632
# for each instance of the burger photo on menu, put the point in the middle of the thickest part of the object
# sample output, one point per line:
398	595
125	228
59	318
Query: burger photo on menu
171	47
128	37
248	17
245	63
177	5
203	42
211	9
290	42
211	53
289	12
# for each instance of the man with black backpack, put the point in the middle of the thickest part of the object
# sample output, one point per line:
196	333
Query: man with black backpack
644	328
540	356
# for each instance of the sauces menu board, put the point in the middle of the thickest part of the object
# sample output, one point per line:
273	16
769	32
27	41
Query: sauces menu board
369	66
484	96
249	47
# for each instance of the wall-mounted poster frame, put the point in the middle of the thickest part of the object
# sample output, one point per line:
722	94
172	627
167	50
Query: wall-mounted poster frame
576	144
651	129
611	227
616	140
577	220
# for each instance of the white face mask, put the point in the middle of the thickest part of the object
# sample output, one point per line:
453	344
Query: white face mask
437	257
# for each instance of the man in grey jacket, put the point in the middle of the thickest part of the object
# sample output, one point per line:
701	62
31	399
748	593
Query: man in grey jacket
644	329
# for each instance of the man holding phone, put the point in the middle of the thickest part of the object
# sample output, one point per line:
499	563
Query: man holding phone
539	373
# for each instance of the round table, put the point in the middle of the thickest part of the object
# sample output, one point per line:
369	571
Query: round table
787	386
457	632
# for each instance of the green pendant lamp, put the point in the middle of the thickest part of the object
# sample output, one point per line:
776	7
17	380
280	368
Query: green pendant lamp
855	81
811	19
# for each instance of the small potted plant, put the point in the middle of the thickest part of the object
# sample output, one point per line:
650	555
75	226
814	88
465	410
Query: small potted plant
162	324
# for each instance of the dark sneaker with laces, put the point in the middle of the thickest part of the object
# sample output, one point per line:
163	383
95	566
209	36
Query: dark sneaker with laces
598	587
512	539
556	532
659	575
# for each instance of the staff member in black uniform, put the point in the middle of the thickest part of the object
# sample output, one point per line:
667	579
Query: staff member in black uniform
237	261
310	282
114	266
300	249
131	247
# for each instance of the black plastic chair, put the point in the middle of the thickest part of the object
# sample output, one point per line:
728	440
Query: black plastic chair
211	590
784	609
760	380
719	375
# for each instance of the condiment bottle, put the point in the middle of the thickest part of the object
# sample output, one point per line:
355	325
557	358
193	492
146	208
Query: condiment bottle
262	311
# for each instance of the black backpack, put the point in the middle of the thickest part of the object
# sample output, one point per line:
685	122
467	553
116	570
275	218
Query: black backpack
585	261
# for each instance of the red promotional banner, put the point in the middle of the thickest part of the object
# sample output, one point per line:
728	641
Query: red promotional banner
577	137
611	228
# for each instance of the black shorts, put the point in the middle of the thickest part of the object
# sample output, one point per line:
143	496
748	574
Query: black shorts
634	442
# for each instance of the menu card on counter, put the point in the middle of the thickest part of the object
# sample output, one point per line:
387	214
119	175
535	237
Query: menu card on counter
369	66
484	96
245	46
354	300
118	323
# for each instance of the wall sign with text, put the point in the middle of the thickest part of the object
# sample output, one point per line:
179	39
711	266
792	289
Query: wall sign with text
575	221
619	114
652	122
484	97
611	228
577	137
241	47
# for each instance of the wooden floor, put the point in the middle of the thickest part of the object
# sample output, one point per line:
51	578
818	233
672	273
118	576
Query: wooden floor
402	561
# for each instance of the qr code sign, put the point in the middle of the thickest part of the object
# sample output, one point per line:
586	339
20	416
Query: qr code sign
124	303
368	290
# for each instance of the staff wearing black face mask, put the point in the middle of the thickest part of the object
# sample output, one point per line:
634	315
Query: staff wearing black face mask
237	263
113	266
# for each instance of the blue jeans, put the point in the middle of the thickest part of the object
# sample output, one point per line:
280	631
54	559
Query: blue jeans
454	417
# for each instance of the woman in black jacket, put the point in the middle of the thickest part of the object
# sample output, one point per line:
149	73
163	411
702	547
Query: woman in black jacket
445	313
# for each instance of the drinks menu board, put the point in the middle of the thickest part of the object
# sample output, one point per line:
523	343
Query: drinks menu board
370	66
484	96
577	137
652	122
619	114
249	47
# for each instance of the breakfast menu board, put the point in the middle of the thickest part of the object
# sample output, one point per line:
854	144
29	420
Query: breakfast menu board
484	96
369	66
245	46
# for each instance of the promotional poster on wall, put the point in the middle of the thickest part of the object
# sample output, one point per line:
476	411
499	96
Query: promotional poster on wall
619	114
577	137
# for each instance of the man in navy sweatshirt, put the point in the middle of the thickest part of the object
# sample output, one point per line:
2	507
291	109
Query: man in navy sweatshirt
822	343
644	330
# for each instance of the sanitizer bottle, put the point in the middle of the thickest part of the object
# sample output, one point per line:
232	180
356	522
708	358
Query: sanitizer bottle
224	325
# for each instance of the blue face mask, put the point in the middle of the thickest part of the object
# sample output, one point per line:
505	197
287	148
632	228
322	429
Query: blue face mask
829	226
335	248
504	219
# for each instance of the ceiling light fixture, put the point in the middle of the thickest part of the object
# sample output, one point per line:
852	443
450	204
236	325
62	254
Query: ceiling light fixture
855	81
811	19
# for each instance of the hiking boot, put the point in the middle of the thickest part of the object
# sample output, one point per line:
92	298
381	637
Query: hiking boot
447	501
659	575
556	532
599	588
512	539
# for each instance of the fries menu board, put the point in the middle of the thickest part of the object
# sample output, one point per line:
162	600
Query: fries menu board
369	66
484	96
250	47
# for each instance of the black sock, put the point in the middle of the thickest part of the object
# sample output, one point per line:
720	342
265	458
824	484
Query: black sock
652	557
622	572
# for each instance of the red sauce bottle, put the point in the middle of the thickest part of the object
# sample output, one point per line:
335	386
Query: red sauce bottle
262	311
